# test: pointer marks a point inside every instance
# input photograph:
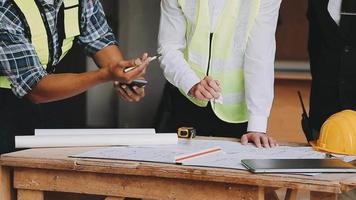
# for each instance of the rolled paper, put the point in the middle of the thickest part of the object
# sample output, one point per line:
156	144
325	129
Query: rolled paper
41	132
46	141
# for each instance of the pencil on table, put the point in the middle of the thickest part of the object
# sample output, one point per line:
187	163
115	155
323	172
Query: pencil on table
197	154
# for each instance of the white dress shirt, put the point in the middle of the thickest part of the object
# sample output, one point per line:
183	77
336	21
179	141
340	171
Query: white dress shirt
259	55
334	8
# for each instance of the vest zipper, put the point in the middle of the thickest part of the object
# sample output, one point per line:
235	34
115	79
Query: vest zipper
209	59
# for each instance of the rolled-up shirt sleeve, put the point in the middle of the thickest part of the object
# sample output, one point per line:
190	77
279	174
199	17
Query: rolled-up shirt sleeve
259	66
171	43
19	61
96	33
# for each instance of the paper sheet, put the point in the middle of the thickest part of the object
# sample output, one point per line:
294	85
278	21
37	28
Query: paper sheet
230	157
41	132
162	153
94	140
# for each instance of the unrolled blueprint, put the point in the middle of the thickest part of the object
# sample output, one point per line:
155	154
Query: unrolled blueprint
230	155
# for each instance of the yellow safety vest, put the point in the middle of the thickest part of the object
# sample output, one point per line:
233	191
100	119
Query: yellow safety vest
220	54
38	32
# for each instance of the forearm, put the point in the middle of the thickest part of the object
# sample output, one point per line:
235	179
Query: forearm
259	66
178	72
259	90
108	56
61	86
171	42
55	87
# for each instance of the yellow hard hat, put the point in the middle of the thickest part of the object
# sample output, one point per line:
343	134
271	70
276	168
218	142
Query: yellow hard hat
338	134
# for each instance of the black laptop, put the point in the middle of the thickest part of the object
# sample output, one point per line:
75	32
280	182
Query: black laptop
298	165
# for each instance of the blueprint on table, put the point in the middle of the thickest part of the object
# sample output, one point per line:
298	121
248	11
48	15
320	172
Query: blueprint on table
230	157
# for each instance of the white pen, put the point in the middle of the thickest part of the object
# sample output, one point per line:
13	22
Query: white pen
348	13
151	59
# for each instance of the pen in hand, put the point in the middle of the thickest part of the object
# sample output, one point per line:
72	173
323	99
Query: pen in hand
128	69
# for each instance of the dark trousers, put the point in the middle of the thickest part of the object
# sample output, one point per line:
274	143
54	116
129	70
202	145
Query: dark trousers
17	117
177	111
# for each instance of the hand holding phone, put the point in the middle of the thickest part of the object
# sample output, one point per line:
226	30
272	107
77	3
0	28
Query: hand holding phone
132	92
138	82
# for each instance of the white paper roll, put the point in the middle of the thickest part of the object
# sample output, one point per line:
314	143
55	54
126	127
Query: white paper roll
41	132
94	140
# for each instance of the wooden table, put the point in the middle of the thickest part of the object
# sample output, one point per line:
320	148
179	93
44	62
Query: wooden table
39	170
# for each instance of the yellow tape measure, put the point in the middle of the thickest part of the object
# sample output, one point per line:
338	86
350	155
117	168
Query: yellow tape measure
186	132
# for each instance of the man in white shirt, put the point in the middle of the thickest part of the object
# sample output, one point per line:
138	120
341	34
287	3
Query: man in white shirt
219	57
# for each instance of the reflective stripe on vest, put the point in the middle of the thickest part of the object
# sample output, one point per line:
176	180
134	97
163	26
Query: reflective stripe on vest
39	37
71	24
227	52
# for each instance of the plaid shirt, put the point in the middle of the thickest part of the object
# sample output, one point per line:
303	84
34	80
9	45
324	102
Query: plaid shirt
18	58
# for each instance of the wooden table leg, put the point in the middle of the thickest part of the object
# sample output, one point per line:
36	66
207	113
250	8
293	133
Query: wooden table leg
270	194
261	193
322	196
6	191
30	195
291	194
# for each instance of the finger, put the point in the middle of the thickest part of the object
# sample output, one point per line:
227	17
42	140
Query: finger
265	141
129	92
127	63
257	141
122	93
144	64
206	94
136	97
200	96
213	84
135	73
204	91
144	56
212	91
272	142
138	62
212	94
140	92
244	139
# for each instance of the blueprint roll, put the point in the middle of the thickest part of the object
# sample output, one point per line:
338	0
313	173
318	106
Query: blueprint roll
42	132
46	141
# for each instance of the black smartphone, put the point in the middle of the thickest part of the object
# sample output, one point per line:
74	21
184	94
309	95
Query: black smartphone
138	83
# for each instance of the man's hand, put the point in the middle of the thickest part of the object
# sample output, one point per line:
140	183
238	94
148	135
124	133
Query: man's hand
117	73
135	93
131	94
259	139
206	89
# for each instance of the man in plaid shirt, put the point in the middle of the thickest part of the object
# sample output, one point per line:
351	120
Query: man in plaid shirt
31	84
